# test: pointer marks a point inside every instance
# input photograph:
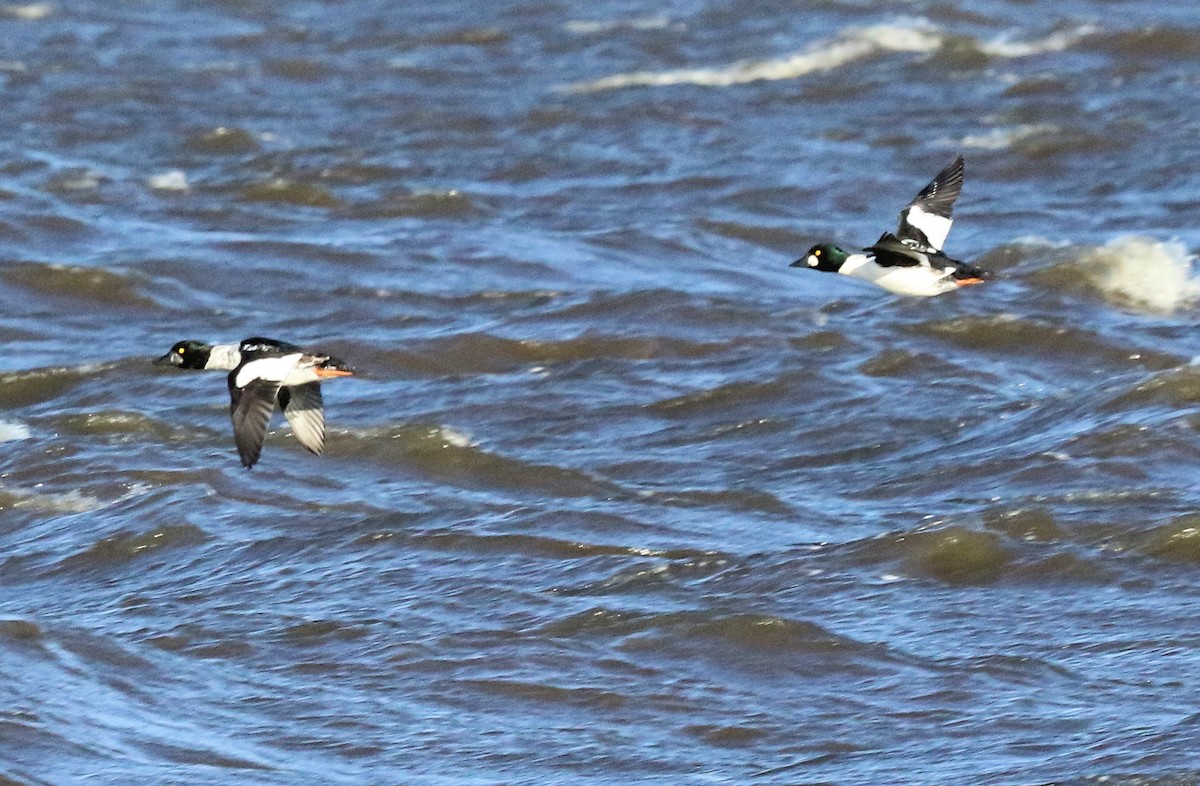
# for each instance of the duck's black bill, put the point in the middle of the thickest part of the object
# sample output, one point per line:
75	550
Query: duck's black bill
169	359
799	263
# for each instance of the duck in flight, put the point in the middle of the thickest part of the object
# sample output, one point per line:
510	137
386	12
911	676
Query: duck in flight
262	372
909	262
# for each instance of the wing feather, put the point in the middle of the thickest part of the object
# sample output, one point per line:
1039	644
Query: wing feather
250	409
926	221
304	410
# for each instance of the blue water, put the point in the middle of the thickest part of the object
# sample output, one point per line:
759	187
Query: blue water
616	496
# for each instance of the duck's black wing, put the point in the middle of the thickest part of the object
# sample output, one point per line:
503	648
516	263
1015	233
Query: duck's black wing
259	347
305	412
891	251
926	221
250	409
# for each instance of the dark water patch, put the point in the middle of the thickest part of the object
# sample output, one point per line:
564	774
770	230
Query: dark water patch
451	203
729	736
344	170
180	754
536	546
1024	523
284	191
78	184
1065	567
315	632
124	547
1058	143
197	641
952	554
783	240
651	576
580	698
446	457
125	424
599	622
959	53
1177	541
298	69
93	284
1041	340
1176	388
687	185
840	444
896	362
823	341
749	632
1132	441
23	388
674	310
1157	43
1018	669
472	36
757	643
223	140
1033	86
567	523
752	429
19	630
484	353
724	399
957	555
745	499
504	302
291	251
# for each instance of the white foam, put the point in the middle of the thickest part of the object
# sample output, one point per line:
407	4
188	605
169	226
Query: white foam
856	44
1055	42
454	438
823	56
1151	274
174	180
12	432
1003	138
64	502
585	27
29	12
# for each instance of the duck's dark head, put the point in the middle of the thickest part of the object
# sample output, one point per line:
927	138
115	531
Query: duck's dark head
186	354
824	256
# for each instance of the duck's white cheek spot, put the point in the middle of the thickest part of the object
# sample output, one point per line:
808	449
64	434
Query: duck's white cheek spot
813	261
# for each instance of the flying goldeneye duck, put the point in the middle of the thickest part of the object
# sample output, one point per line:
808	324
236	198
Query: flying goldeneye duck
909	262
263	371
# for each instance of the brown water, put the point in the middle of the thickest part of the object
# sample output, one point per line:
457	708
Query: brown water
617	496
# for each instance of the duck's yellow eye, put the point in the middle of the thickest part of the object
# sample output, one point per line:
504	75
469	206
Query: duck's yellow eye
816	253
180	350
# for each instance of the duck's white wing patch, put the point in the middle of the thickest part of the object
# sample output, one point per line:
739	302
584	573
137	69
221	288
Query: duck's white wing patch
304	410
926	221
927	229
224	357
271	369
250	409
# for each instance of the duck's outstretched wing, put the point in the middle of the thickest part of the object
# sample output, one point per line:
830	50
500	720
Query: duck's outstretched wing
250	408
305	412
926	220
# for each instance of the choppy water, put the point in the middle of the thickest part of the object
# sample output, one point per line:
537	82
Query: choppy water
618	496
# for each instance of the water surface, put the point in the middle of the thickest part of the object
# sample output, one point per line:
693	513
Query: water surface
617	496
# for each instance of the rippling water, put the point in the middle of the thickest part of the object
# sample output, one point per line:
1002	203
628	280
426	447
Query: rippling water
617	496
